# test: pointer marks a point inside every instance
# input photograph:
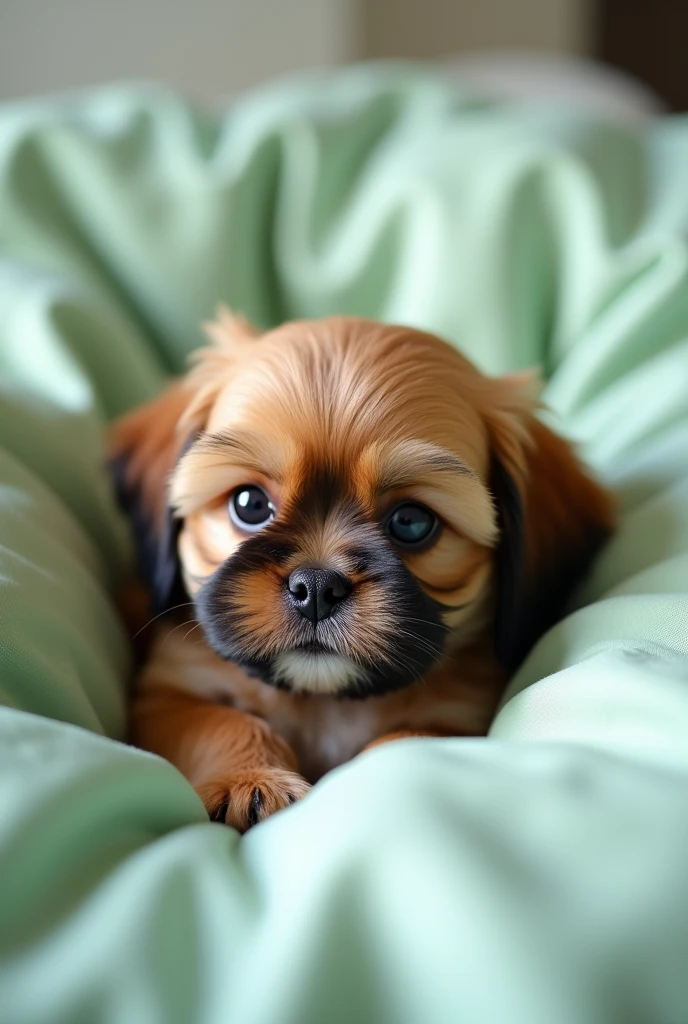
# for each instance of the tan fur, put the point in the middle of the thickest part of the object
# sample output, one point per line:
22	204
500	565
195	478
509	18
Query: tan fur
399	415
240	768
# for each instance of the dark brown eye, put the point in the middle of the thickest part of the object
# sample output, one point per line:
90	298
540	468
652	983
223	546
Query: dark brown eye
411	525
250	508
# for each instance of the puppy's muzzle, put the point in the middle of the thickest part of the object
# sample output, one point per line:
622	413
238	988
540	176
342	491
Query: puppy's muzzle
315	593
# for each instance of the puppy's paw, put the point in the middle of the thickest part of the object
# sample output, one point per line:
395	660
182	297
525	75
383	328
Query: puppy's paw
246	797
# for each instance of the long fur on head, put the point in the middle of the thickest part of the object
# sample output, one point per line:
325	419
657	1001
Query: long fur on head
337	420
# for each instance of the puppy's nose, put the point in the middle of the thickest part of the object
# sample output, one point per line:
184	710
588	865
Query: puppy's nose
315	592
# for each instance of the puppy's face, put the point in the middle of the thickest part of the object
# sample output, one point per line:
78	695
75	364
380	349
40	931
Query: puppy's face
339	524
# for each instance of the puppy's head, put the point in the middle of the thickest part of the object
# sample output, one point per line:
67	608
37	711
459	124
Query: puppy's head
346	502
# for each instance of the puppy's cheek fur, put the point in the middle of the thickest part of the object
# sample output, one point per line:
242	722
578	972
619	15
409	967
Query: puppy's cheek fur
256	604
242	604
451	565
205	541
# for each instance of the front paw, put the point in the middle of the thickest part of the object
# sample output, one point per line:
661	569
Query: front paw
246	797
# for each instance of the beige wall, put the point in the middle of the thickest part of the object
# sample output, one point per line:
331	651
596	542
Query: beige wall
210	48
438	28
206	47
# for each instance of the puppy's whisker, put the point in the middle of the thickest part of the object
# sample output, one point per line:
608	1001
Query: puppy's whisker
420	645
417	638
197	624
174	608
424	622
174	629
419	641
434	652
345	645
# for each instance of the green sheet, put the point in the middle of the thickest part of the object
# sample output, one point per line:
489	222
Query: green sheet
534	877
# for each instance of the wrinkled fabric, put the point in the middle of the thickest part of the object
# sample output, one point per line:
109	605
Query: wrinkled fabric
535	876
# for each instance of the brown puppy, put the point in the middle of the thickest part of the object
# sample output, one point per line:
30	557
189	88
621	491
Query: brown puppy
372	535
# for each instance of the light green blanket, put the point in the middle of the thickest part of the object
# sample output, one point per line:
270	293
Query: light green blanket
536	877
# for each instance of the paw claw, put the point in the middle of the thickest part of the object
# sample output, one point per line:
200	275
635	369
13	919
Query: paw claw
255	808
221	813
245	797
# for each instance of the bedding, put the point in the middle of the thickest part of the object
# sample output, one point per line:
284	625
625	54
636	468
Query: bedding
533	876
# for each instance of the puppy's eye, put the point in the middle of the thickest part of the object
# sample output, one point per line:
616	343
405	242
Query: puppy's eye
250	509
411	525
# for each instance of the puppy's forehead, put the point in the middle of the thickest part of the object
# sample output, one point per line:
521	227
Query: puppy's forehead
326	390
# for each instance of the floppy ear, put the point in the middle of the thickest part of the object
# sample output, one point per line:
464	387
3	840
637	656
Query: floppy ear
146	444
144	447
553	518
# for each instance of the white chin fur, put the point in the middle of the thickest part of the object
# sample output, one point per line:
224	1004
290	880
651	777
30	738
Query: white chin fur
316	673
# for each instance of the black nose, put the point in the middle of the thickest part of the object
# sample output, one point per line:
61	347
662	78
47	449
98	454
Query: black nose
315	592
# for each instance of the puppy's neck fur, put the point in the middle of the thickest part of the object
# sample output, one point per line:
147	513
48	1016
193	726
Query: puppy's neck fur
457	697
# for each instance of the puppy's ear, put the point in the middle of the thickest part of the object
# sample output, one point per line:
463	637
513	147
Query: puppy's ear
146	444
553	518
144	447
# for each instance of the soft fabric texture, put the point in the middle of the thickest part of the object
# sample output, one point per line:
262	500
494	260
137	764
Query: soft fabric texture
532	877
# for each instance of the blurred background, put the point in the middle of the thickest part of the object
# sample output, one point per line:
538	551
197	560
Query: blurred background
212	49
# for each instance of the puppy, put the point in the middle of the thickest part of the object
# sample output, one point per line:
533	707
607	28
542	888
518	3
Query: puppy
350	535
